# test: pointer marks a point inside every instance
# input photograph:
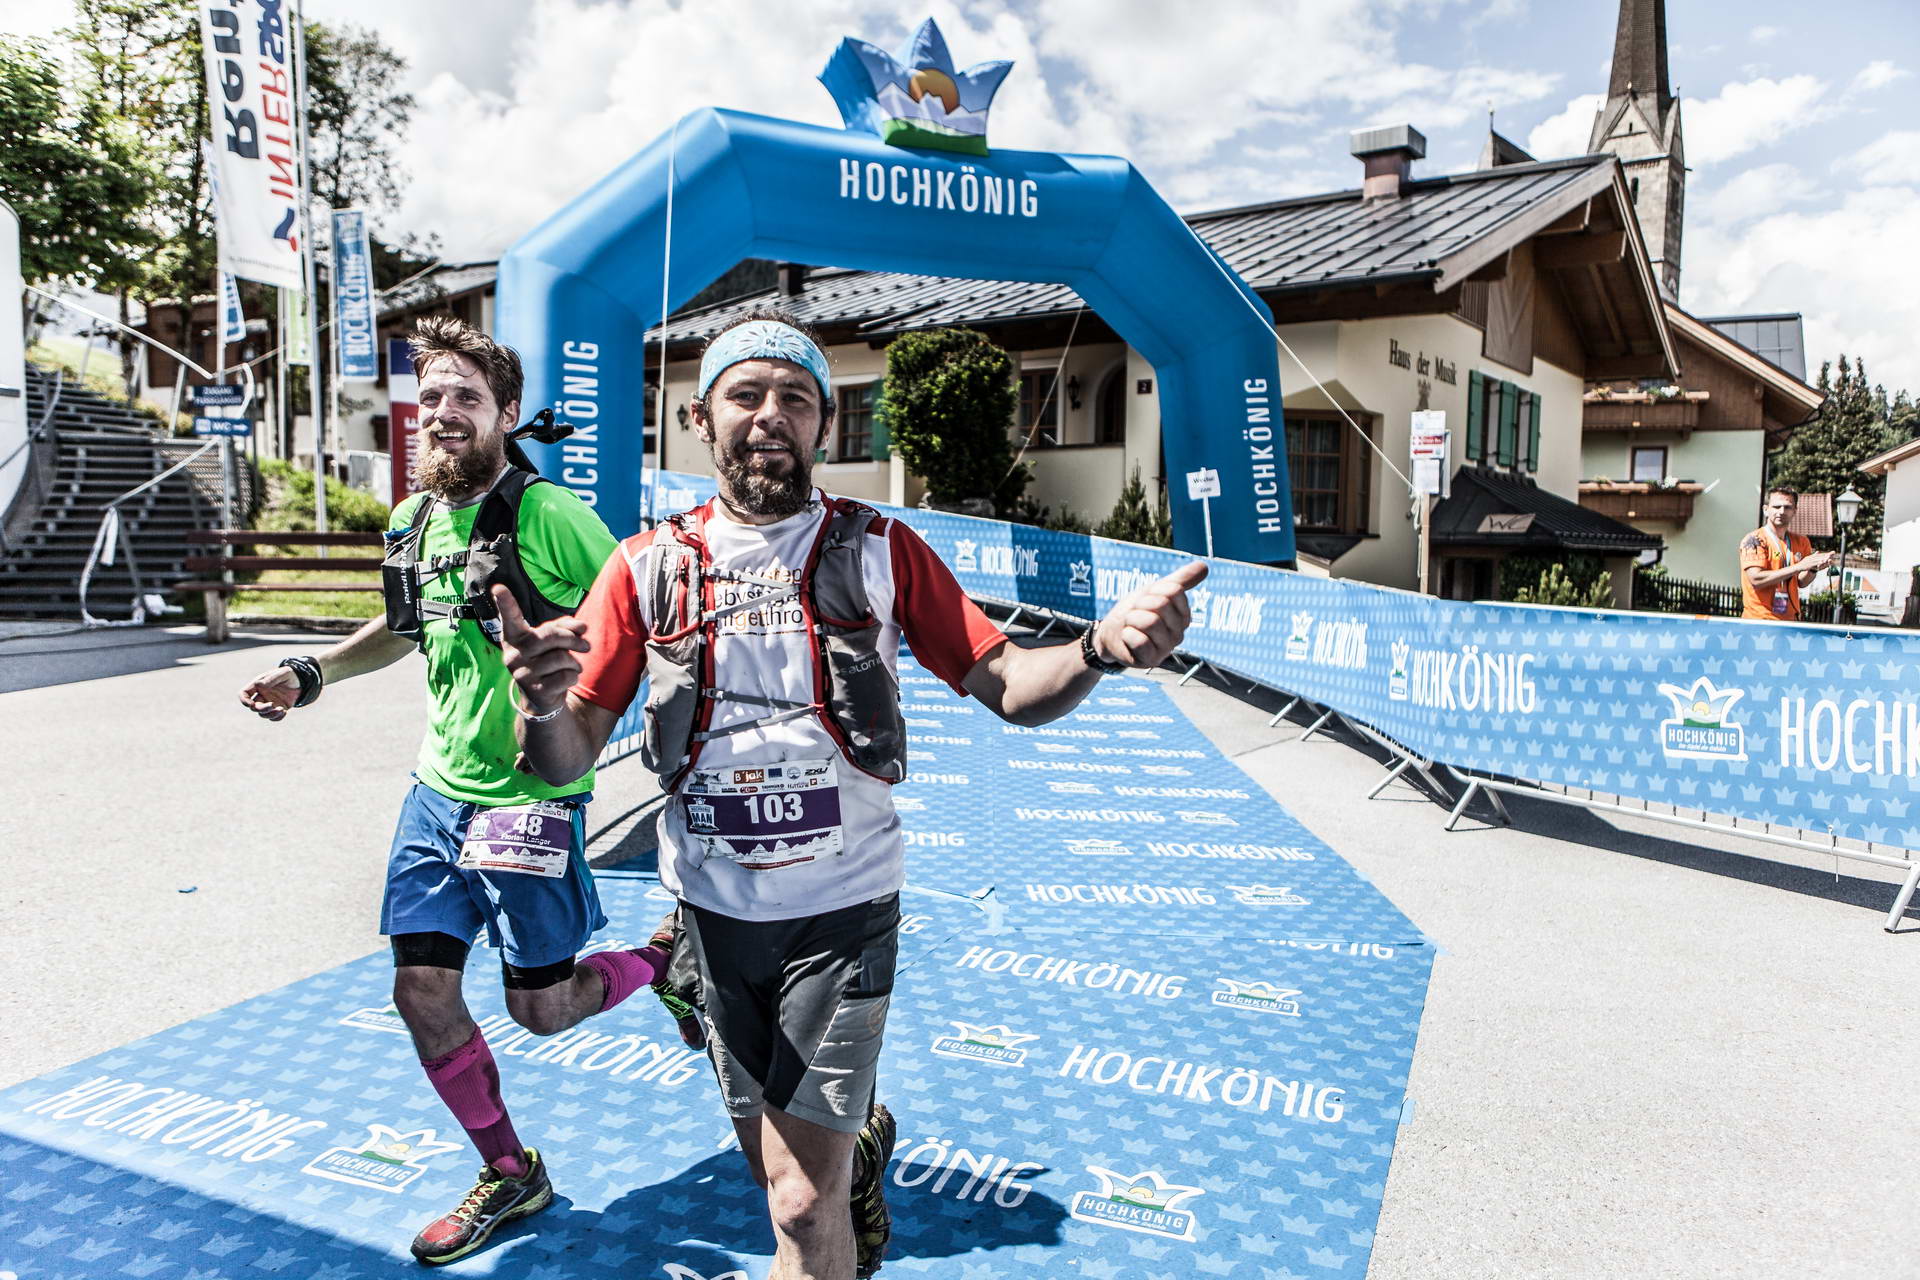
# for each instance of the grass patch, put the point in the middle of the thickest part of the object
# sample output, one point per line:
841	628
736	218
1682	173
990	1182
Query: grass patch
310	604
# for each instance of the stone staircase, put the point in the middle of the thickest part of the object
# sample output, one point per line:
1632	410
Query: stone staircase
99	450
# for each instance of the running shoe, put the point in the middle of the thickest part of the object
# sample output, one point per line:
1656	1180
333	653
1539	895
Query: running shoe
668	938
872	1224
495	1199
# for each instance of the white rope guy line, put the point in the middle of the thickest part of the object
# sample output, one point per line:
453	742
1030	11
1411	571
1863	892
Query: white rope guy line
1267	324
1059	412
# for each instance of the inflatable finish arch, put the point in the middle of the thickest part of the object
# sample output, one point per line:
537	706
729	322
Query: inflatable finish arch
578	292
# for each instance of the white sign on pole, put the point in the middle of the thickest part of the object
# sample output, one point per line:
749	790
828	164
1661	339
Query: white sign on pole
1203	486
252	157
1427	444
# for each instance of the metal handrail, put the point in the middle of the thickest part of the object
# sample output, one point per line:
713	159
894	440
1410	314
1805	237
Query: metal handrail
110	517
108	531
53	402
244	370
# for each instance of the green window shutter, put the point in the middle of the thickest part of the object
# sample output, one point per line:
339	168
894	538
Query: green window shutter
1533	433
1509	422
882	439
1476	414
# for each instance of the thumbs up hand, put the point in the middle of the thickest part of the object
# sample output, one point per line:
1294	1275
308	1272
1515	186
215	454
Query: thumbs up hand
540	659
1149	624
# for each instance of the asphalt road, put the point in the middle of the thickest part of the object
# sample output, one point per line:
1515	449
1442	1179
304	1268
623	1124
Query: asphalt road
1643	1054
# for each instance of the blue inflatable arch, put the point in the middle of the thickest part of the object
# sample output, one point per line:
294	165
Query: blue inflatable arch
578	293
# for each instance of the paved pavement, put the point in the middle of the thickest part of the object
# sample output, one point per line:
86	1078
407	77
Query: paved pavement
1643	1054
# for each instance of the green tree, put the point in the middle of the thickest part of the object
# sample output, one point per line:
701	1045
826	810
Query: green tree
1825	453
1133	520
357	118
73	173
948	400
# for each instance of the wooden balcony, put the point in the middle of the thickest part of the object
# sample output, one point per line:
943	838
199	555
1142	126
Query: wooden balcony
1641	413
1640	502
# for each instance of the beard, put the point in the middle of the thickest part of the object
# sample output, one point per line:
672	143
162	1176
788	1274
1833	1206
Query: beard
763	493
449	476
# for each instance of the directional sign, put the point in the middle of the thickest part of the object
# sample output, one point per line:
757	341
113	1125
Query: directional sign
223	426
224	393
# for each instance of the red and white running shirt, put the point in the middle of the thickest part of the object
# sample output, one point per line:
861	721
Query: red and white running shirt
767	652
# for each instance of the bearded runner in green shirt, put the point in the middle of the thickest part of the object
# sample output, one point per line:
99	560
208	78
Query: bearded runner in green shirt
479	842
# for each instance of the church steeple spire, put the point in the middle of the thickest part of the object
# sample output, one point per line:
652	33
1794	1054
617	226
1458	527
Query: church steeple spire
1640	53
1640	123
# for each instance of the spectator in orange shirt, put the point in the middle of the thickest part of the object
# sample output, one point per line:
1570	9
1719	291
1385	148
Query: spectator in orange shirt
1775	564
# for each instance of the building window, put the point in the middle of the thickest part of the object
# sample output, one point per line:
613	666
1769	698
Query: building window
1648	464
856	423
1503	424
1039	404
1329	469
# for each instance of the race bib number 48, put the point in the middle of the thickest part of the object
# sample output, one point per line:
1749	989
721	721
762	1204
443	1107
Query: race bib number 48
532	839
764	817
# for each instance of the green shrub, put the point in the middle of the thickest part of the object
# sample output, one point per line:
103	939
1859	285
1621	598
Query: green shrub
1556	587
948	401
289	504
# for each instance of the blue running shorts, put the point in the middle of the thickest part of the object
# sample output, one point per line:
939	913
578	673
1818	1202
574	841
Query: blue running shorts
533	920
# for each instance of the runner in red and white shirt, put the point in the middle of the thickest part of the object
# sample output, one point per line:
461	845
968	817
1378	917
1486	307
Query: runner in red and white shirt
796	955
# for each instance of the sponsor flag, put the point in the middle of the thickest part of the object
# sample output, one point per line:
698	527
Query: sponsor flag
252	157
353	297
233	321
297	341
403	416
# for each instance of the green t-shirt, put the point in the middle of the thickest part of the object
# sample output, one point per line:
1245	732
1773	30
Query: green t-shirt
469	748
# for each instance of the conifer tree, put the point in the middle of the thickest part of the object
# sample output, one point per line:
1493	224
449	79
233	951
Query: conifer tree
1824	454
1132	520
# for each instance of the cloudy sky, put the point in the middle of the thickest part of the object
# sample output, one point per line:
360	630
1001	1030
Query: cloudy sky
1800	121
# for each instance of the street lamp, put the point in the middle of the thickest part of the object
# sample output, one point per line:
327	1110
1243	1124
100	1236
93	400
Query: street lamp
1845	508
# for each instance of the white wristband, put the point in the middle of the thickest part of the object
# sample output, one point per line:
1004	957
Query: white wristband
531	718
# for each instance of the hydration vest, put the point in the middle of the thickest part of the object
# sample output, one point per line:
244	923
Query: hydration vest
856	696
492	556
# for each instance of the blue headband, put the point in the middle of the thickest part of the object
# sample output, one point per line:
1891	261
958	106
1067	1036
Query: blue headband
763	340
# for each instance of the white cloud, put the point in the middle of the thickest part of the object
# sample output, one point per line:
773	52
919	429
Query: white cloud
1566	134
1763	35
1750	194
1892	159
1877	74
1750	114
1851	270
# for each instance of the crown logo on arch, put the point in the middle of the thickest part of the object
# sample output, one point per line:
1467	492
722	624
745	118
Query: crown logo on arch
914	97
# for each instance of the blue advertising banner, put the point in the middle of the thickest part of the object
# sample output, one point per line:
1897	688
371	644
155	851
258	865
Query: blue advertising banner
359	358
1799	725
233	320
577	291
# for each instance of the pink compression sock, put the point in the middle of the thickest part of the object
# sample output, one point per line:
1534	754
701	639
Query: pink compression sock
625	972
469	1083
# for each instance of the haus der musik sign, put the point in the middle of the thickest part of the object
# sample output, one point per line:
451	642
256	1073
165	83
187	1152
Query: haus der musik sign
1421	363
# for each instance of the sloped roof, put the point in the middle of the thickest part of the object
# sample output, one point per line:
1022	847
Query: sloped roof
1479	492
1439	231
446	281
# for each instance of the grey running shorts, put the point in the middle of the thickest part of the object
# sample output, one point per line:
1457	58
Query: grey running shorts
796	1008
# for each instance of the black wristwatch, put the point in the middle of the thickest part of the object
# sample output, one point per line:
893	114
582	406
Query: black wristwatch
1091	656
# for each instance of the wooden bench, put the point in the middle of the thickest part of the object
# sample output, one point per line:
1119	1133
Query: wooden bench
215	590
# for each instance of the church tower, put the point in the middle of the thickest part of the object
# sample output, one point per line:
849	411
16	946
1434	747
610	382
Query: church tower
1640	123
